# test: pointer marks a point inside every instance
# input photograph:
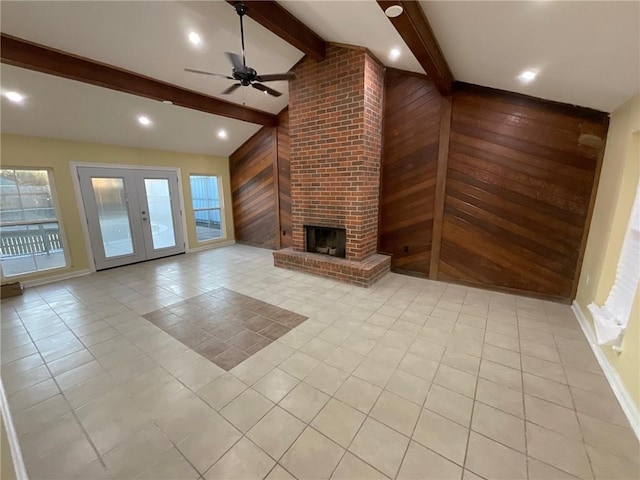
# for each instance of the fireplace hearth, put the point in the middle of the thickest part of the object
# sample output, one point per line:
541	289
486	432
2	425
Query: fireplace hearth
326	240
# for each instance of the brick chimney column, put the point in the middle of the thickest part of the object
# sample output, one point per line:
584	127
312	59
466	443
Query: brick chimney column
335	128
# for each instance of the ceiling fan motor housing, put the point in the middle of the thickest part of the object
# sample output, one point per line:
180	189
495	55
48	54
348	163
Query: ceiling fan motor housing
245	76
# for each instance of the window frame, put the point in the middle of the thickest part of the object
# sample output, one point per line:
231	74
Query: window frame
223	223
58	219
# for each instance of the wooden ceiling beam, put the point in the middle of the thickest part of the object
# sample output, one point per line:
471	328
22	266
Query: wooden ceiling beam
25	54
414	28
283	24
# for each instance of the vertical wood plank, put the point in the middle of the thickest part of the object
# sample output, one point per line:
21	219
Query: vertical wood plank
382	135
408	170
276	185
252	190
441	182
284	179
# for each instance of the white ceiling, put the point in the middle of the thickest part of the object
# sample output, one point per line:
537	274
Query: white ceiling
150	37
588	54
360	22
60	108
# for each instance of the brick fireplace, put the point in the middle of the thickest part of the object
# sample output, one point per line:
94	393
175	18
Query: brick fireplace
335	129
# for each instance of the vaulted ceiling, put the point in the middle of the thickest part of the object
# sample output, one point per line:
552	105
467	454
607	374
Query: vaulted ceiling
586	53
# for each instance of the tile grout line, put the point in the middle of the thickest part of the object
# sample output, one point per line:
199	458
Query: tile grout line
308	425
575	410
99	456
473	406
524	403
526	421
368	414
422	407
73	412
382	389
331	397
431	385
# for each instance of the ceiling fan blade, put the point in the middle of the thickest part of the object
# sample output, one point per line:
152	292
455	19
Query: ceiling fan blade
276	76
232	88
265	89
235	60
202	72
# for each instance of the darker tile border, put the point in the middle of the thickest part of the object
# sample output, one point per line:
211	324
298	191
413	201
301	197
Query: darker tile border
224	326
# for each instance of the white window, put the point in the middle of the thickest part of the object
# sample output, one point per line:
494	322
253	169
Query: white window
30	236
205	198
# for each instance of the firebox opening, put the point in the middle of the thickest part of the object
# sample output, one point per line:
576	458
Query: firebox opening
325	240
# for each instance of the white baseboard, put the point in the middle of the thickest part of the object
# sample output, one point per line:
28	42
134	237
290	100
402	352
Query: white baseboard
617	385
12	437
36	282
211	246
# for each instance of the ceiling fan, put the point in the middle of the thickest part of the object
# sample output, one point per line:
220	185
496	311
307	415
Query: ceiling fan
246	76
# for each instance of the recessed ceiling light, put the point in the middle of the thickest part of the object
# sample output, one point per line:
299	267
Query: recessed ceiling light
144	120
222	134
14	96
528	75
194	38
394	54
393	11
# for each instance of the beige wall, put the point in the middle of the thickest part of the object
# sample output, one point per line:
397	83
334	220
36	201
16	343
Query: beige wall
616	191
21	151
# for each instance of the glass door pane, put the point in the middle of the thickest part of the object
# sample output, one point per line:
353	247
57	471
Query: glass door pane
132	214
113	216
160	214
111	205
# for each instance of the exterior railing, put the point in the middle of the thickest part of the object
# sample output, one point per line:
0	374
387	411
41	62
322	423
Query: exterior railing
30	239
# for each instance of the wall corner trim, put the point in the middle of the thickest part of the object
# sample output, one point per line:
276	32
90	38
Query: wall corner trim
446	111
12	437
622	394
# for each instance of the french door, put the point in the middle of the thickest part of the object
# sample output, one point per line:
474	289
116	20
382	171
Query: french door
133	215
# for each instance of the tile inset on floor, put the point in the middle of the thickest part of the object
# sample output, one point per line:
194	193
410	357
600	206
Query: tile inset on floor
224	326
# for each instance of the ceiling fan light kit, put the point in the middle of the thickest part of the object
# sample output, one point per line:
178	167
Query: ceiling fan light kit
246	76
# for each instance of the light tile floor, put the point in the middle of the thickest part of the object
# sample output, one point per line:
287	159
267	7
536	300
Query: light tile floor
410	379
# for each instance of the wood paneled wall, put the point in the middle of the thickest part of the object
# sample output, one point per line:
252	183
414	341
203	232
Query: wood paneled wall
253	190
519	185
259	168
409	166
520	181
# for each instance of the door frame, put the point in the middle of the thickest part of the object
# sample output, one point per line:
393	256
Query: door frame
75	178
